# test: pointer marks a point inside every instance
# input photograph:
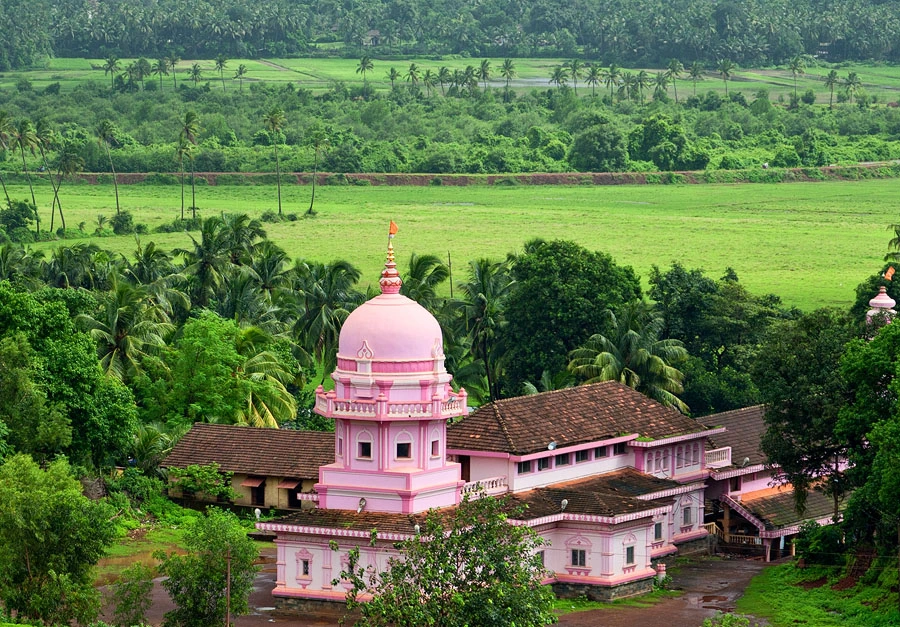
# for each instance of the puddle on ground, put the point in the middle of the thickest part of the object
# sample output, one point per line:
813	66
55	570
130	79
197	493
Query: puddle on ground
711	598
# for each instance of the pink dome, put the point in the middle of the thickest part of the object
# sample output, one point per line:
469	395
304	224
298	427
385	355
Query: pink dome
390	327
882	301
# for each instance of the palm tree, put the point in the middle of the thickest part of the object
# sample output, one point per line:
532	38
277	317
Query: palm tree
628	86
412	75
45	139
111	66
187	137
484	72
106	134
173	60
268	400
221	62
365	65
642	82
634	355
274	121
593	77
24	138
206	263
726	68
831	81
6	132
126	328
481	305
575	67
420	283
508	72
612	78
443	77
239	74
852	84
797	66
674	71
559	76
318	138
242	235
393	75
68	162
696	74
429	79
161	68
470	79
548	383
196	73
144	69
660	85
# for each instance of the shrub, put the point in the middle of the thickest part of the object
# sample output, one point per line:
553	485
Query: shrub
821	545
809	97
133	595
122	223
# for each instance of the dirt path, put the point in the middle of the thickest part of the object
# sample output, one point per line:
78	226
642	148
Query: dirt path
709	586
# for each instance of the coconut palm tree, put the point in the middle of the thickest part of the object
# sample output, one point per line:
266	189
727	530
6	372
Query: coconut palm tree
627	86
365	65
797	66
268	400
274	121
242	234
481	306
642	82
111	66
726	69
239	75
6	132
508	72
831	81
68	162
574	68
393	75
412	75
24	138
612	78
548	383
633	354
318	137
45	139
143	69
696	74
126	328
444	76
674	71
187	138
196	73
173	60
484	72
206	263
559	76
160	69
183	149
429	79
106	135
660	85
420	282
593	77
852	84
221	62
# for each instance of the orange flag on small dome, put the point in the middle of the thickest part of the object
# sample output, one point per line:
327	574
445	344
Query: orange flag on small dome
887	275
392	231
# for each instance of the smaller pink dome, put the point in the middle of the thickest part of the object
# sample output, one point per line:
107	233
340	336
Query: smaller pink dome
882	301
390	327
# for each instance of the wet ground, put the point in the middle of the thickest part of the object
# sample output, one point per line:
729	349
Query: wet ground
708	585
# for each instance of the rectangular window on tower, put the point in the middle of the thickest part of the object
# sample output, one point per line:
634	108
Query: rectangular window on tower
365	450
629	555
435	448
404	450
657	531
579	557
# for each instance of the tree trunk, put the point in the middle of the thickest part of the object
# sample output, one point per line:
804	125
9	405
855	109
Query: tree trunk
115	180
310	211
278	174
5	193
37	216
62	218
182	186
193	193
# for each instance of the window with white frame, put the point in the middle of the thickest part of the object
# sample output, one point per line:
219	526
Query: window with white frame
657	531
403	445
687	516
579	557
523	468
629	555
435	448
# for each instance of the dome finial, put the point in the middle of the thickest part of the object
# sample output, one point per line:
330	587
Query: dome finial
390	279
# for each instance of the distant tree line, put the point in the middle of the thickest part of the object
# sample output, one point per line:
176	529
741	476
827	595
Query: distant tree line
758	32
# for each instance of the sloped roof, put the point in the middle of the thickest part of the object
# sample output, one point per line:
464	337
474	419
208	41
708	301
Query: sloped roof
624	482
776	507
745	428
249	450
587	413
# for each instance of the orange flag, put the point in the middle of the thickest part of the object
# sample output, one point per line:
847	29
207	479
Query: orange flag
392	231
889	273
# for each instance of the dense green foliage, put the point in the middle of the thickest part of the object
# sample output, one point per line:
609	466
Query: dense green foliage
472	568
51	536
751	32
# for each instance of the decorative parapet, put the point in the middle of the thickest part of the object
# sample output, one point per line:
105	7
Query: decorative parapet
488	487
718	457
328	405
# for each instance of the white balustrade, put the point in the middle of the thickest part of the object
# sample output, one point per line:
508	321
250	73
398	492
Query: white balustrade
718	458
489	486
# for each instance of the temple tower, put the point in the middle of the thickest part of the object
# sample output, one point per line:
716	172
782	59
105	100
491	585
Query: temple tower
391	402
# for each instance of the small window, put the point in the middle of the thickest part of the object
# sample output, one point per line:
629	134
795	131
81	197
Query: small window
435	448
688	516
601	451
629	555
579	557
563	459
365	450
665	460
679	457
619	448
657	531
582	456
543	463
736	484
523	468
305	568
696	455
340	447
404	450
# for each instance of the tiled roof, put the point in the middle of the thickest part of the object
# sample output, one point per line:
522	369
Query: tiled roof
776	507
547	501
248	450
745	428
351	521
624	482
587	413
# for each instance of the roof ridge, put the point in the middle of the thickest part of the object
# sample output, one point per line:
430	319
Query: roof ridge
503	428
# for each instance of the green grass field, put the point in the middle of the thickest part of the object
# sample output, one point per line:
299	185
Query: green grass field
810	243
882	81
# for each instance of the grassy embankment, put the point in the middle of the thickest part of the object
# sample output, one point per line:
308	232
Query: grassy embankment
877	80
810	243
